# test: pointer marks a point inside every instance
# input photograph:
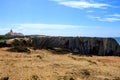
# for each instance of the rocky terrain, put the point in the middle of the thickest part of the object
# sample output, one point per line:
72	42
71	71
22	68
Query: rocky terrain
78	45
59	58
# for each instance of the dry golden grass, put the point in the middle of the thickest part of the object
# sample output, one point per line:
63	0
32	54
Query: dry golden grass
44	65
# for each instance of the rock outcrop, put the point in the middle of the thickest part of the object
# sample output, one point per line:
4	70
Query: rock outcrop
19	42
3	43
25	42
79	45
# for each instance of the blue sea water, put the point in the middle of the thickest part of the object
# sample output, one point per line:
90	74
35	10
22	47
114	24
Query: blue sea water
118	39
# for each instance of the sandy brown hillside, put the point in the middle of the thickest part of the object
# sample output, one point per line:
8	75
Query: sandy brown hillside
44	65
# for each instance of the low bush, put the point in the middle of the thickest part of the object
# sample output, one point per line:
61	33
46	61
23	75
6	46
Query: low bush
3	37
4	78
19	49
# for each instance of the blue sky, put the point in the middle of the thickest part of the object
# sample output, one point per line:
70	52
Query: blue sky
93	18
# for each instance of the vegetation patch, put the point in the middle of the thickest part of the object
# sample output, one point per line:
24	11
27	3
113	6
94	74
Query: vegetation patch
4	37
85	72
19	49
4	78
35	77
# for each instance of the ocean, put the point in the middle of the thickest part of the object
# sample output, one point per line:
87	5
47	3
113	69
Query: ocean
118	39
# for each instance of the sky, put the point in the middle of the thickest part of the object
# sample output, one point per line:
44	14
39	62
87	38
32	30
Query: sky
90	18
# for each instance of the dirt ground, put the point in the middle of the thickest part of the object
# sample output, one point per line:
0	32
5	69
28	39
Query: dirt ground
45	65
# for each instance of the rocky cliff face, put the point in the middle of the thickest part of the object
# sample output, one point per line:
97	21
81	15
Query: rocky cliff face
79	45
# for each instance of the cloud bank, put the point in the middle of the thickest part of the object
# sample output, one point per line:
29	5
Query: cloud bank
61	30
42	29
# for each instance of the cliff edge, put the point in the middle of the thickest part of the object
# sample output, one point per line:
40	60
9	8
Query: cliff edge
79	45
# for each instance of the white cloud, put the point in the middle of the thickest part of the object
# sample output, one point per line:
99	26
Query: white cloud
46	26
83	4
41	29
90	11
51	29
107	18
115	15
44	29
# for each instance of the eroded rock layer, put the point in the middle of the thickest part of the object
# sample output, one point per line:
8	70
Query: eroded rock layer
79	45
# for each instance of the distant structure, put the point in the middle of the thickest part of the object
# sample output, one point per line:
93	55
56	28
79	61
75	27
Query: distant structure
11	33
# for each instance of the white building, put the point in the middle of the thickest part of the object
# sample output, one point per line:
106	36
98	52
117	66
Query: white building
11	33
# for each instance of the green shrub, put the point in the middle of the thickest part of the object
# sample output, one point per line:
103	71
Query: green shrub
3	37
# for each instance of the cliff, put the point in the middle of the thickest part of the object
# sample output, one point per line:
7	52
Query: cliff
79	45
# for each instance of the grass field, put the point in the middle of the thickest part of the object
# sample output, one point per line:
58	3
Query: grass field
45	65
